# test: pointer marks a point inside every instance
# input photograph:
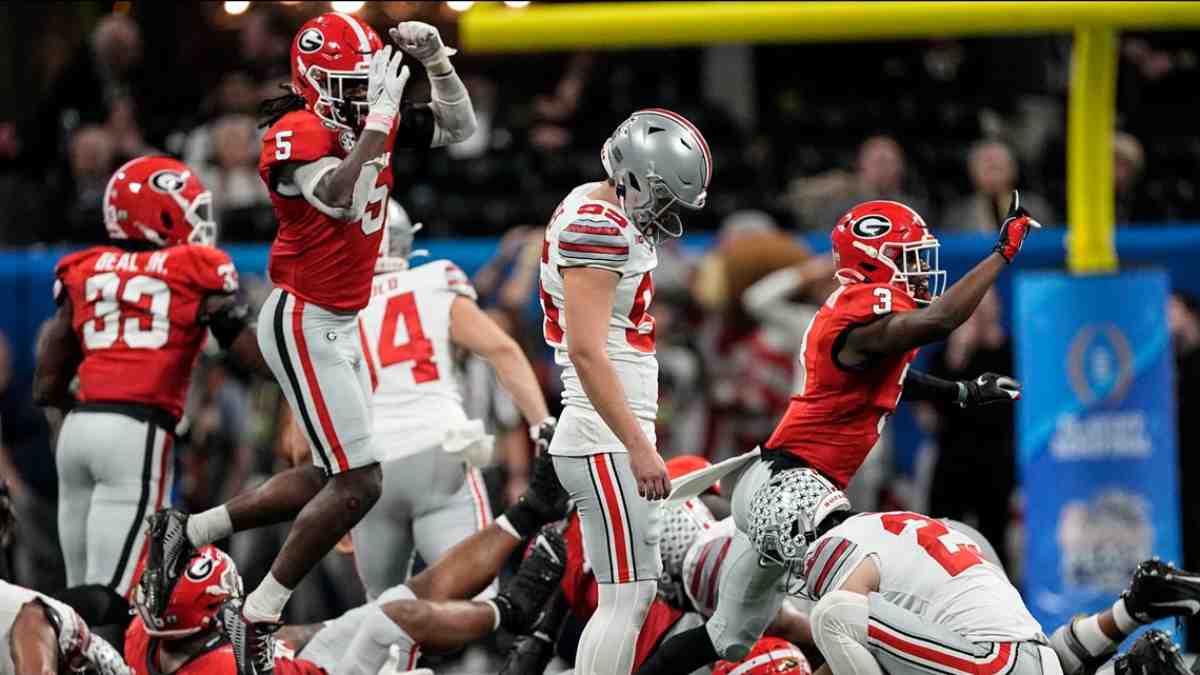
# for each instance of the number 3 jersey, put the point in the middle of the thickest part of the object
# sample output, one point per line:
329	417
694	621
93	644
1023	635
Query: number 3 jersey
926	568
136	315
316	257
838	412
405	332
587	233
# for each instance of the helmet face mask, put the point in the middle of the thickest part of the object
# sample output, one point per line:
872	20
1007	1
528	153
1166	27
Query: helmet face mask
342	97
917	269
887	242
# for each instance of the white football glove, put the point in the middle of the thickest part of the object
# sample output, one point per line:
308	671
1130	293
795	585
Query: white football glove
385	88
421	41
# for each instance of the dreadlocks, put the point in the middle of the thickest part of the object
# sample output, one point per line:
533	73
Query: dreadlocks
270	110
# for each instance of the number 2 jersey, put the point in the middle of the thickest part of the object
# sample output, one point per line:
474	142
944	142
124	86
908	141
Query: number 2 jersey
926	568
585	232
838	412
316	257
137	317
405	332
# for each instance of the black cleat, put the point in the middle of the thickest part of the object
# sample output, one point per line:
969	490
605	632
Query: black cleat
1159	590
544	502
1154	653
253	643
166	558
525	594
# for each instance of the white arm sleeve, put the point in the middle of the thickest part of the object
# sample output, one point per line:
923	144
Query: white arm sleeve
309	175
452	109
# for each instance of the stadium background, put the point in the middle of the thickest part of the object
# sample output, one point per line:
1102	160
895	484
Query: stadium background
799	131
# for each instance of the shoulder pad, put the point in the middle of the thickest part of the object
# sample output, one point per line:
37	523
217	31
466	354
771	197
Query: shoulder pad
827	560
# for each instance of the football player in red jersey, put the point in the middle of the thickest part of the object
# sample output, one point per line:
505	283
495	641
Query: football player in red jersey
325	160
854	365
132	317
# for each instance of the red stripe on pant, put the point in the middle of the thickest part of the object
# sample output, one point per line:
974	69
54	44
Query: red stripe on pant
163	474
617	525
482	512
366	349
942	657
314	387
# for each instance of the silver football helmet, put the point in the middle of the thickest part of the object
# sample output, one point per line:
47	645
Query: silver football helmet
397	245
784	516
681	525
660	164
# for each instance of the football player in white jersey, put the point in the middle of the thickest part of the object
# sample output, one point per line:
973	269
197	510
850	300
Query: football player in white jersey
432	499
596	289
39	635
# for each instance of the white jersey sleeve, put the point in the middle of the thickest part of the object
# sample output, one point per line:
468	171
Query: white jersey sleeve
12	598
928	569
405	331
588	233
704	564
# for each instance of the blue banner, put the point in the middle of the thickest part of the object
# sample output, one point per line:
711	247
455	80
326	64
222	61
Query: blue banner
1096	436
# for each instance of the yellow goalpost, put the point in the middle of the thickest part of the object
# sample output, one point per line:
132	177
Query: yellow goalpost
490	27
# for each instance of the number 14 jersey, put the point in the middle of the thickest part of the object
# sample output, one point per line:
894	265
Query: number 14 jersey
585	232
137	318
405	333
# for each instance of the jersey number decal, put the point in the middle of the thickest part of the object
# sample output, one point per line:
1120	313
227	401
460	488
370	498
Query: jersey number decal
884	306
375	213
283	147
931	537
418	348
102	290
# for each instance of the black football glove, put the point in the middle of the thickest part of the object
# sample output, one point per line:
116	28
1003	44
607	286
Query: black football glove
541	434
988	388
1014	229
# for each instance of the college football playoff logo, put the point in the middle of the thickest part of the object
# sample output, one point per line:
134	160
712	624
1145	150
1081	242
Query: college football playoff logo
167	181
311	40
871	227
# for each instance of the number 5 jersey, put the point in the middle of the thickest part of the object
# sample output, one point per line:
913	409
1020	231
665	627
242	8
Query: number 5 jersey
137	316
587	233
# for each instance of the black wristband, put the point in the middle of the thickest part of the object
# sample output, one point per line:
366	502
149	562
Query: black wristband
228	322
920	386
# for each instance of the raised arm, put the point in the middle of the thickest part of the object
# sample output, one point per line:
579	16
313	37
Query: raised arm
588	295
454	116
896	333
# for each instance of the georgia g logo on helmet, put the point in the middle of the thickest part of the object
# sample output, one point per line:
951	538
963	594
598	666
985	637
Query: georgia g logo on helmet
201	568
871	227
167	181
311	40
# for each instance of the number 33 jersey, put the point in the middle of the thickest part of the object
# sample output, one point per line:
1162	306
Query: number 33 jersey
405	332
838	412
136	315
926	568
588	233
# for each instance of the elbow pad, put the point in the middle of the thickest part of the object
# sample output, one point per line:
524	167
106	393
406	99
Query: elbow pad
228	322
451	106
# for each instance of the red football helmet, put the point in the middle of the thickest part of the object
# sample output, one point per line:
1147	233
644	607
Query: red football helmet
770	656
331	55
889	243
680	465
210	579
160	200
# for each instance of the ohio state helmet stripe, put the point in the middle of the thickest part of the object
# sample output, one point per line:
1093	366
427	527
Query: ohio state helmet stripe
363	42
695	132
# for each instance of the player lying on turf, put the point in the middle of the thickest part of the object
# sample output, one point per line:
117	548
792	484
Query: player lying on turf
423	614
854	369
43	636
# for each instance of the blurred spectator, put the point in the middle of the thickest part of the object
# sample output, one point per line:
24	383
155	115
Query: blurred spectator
219	455
1183	318
974	474
101	75
265	38
93	158
232	171
1134	203
236	93
993	171
880	172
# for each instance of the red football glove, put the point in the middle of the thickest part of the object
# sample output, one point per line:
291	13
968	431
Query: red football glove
1014	229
